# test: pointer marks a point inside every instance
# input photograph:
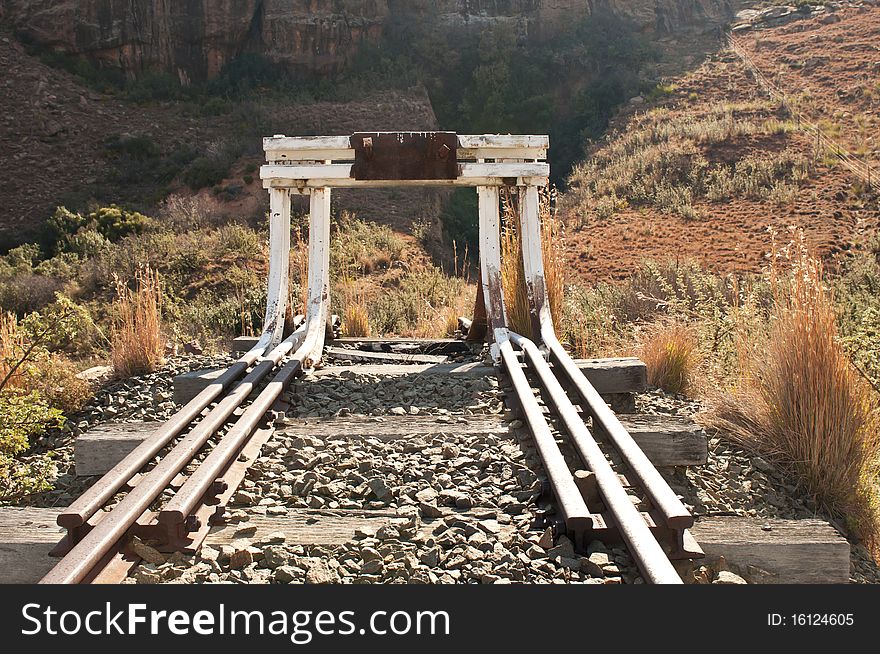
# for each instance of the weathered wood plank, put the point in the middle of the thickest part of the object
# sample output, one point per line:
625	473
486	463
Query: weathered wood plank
503	141
27	535
467	141
281	142
389	428
327	527
190	384
777	551
668	440
339	155
343	171
608	376
370	357
303	186
103	446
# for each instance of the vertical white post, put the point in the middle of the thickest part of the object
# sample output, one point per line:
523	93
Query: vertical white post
533	260
490	265
319	267
279	264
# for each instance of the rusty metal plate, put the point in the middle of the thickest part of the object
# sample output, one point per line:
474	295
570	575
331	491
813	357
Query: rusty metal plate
405	155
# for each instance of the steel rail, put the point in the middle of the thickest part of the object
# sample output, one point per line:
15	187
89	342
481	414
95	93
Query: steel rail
97	495
571	503
661	495
647	552
76	565
93	499
641	470
188	497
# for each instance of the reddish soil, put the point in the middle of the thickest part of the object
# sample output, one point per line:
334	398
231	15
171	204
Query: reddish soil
831	71
731	237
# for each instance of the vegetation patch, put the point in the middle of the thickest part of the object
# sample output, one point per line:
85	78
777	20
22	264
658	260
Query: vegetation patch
668	160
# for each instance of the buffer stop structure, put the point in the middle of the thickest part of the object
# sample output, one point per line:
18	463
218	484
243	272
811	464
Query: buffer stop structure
490	162
178	481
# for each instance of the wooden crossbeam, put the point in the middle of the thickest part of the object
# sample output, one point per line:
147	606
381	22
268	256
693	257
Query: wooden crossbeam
281	149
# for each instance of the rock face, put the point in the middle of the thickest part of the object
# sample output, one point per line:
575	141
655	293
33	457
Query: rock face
194	39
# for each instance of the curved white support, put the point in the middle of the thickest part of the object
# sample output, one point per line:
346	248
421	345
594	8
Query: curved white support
490	266
317	306
279	268
533	260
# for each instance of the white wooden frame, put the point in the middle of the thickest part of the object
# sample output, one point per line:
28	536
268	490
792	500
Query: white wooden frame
313	165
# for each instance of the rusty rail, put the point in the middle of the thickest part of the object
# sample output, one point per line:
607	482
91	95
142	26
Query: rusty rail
95	538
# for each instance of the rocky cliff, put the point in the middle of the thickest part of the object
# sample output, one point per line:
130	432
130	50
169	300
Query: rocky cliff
194	39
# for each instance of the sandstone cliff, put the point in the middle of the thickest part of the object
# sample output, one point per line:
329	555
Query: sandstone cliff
194	39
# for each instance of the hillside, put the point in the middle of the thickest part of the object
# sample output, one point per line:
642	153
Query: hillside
65	143
710	165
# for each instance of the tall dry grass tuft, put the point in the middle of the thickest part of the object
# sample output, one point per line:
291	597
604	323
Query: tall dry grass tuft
671	355
299	266
11	344
802	403
137	345
512	276
355	314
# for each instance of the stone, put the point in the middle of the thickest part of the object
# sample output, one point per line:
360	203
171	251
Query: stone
726	577
378	487
431	557
564	548
275	537
286	574
275	556
430	510
546	540
147	553
241	559
427	495
320	573
368	554
372	567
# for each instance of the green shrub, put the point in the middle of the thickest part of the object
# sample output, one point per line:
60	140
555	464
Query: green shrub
362	247
417	298
22	417
204	172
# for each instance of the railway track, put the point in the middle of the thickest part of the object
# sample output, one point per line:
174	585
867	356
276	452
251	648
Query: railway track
173	487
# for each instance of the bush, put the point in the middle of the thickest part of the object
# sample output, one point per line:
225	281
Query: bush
355	314
67	231
801	403
419	298
205	172
35	386
23	416
360	247
670	354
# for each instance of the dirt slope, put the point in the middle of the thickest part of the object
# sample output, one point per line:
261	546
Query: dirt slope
830	68
732	235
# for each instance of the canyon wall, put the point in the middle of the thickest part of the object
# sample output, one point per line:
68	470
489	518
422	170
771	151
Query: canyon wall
194	39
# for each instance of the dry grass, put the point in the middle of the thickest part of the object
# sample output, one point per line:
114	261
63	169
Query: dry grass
671	355
355	314
11	343
299	267
512	276
137	344
801	402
